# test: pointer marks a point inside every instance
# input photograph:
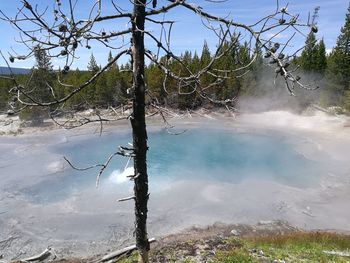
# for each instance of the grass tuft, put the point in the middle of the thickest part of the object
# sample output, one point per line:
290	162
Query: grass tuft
307	247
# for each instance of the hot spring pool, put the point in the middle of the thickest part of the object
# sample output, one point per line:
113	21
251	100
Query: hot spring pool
212	155
239	172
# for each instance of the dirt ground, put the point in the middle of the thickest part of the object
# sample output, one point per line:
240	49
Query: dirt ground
197	243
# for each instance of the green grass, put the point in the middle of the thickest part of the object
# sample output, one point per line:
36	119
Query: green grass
295	247
301	247
133	257
233	256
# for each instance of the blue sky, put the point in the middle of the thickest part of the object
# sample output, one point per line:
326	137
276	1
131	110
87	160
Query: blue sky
188	32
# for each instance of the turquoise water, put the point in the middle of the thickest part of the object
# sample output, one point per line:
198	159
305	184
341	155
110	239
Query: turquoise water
198	154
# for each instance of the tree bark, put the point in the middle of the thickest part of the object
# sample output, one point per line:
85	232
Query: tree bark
139	130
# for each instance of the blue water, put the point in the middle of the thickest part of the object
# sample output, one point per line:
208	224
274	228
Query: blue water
197	154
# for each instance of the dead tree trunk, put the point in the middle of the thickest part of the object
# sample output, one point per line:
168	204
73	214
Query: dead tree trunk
139	130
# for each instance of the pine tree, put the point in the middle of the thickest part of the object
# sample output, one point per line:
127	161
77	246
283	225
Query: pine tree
90	92
92	65
342	54
343	42
321	57
110	57
205	56
339	65
195	63
230	86
74	77
186	90
114	65
43	61
309	55
243	54
249	82
4	94
103	96
40	86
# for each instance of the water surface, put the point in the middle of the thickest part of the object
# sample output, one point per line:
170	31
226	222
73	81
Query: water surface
198	154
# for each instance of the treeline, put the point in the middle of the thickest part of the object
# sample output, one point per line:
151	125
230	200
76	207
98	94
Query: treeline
329	71
112	87
337	90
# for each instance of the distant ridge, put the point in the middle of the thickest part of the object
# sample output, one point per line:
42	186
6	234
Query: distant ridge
20	71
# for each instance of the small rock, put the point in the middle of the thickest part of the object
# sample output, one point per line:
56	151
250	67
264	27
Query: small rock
265	222
206	247
221	246
253	250
261	253
10	113
235	232
337	253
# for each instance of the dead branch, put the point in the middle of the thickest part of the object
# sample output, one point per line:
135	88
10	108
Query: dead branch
122	251
40	257
126	198
103	166
337	253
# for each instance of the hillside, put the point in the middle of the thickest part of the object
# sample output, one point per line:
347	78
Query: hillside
17	71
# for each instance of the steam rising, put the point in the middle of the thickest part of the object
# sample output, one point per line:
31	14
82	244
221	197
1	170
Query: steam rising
265	96
120	177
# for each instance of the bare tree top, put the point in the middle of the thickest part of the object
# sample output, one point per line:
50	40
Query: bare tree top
61	32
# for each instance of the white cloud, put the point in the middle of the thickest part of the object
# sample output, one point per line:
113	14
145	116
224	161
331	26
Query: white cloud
278	36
